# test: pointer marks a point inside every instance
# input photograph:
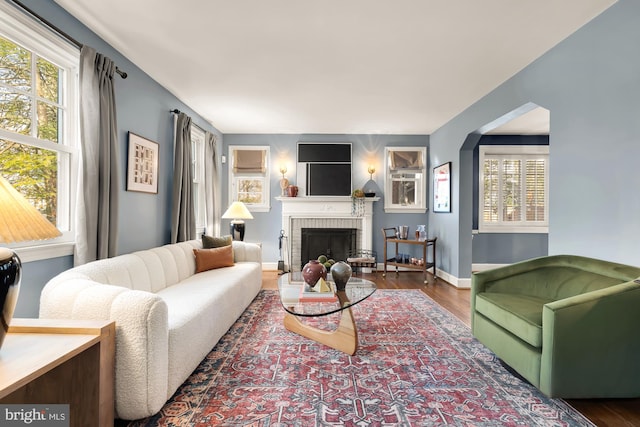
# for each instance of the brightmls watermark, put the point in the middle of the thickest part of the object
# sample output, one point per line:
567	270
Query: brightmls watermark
34	415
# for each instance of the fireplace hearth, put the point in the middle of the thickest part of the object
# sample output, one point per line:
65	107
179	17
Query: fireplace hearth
335	243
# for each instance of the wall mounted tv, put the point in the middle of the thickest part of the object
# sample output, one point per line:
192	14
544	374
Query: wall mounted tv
324	169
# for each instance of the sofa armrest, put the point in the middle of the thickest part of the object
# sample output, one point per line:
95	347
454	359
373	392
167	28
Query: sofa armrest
591	342
141	377
246	252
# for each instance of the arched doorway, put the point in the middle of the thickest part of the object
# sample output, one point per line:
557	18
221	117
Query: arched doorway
525	126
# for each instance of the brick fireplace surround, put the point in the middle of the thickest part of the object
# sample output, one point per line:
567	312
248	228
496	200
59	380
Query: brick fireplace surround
324	212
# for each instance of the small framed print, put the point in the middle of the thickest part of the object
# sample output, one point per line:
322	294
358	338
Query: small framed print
442	188
142	170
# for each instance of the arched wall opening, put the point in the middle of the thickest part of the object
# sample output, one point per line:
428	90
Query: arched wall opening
526	125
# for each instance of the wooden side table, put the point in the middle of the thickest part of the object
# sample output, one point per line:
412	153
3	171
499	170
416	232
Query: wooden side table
56	361
420	242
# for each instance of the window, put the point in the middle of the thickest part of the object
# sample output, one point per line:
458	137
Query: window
39	119
405	172
514	189
249	177
197	161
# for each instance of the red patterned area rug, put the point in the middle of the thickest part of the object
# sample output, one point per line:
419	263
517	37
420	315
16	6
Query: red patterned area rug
417	365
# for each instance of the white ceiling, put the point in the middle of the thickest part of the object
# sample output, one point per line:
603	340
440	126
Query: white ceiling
332	66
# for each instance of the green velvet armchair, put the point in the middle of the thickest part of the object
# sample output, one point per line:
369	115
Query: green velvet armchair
569	325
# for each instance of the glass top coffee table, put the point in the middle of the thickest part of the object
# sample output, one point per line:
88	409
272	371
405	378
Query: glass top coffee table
345	337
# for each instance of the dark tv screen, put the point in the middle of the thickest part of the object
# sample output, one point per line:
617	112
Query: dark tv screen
328	179
324	152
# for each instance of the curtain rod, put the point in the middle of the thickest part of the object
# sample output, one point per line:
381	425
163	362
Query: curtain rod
70	39
176	111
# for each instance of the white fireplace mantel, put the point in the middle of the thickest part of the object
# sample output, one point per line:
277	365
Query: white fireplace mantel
334	207
318	206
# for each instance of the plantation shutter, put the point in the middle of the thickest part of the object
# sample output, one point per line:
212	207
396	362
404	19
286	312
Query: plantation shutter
536	189
491	191
511	190
514	190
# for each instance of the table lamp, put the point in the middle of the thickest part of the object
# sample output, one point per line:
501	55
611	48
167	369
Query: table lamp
19	221
237	212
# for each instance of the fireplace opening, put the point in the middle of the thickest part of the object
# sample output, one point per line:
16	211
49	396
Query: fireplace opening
335	243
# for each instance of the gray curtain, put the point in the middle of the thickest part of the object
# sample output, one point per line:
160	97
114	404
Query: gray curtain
98	177
211	184
183	217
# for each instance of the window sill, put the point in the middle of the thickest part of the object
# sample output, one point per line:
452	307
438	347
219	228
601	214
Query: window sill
41	252
405	210
259	208
514	230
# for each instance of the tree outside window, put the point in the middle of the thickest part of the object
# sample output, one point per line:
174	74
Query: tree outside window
38	119
31	170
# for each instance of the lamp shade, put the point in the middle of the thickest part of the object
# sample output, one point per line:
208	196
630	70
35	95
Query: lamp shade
237	210
19	220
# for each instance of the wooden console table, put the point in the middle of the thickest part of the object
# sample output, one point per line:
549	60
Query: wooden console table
55	361
420	242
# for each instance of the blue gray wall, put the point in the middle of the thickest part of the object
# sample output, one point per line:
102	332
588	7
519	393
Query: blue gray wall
589	82
143	108
367	149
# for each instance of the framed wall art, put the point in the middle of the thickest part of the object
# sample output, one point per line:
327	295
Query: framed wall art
142	168
442	188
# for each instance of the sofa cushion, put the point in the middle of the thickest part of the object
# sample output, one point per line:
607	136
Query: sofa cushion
216	242
519	314
201	310
209	259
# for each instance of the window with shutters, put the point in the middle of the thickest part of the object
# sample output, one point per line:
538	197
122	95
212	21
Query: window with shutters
514	189
249	176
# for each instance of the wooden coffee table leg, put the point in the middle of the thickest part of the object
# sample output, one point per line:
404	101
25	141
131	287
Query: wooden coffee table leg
344	339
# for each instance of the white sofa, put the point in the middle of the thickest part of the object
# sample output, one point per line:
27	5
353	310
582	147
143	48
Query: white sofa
168	318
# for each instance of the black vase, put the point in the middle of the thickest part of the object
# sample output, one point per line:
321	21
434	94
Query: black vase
10	273
341	273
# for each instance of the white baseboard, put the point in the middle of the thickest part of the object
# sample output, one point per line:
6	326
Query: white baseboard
455	281
266	266
483	267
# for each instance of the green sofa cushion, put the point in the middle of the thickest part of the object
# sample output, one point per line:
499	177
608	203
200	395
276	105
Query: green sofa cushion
519	314
519	355
553	282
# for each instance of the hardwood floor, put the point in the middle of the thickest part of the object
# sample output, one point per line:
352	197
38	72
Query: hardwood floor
602	412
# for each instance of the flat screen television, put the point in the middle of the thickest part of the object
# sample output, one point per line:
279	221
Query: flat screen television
324	169
328	179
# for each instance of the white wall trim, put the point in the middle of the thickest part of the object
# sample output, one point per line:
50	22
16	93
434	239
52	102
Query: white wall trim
483	267
266	266
455	281
37	253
